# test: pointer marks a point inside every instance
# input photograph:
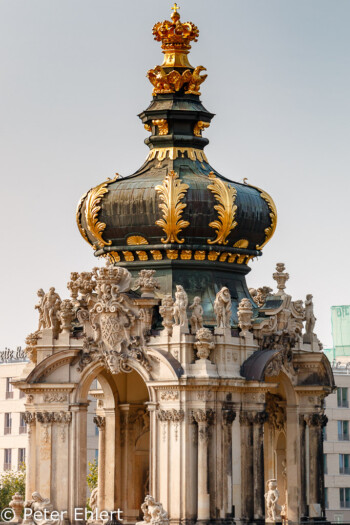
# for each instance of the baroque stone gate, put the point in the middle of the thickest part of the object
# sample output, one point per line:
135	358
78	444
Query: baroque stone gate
211	396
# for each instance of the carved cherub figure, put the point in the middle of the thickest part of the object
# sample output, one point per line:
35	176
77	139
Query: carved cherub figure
180	306
166	310
222	308
197	315
153	512
271	497
310	319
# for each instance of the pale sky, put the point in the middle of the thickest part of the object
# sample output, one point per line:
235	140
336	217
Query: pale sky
73	80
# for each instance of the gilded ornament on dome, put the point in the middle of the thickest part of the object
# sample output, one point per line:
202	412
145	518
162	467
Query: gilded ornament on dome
162	124
78	218
212	256
142	255
164	82
147	127
242	243
172	254
171	192
199	126
273	216
226	208
157	255
186	254
92	208
136	240
199	255
174	152
128	256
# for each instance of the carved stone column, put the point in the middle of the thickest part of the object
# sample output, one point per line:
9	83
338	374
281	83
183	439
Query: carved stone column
258	464
228	417
29	418
316	422
303	503
203	418
45	453
247	461
100	422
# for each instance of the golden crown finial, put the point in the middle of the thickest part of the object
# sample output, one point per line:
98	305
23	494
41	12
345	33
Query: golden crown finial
176	38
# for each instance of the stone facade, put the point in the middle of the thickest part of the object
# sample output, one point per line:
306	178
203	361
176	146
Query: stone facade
13	427
200	421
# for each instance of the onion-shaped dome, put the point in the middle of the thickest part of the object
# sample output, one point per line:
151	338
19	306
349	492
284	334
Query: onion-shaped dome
177	212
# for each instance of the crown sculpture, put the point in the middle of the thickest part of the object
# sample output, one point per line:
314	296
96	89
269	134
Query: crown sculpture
210	395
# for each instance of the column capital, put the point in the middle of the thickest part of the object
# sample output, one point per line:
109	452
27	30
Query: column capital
100	422
260	418
203	416
246	418
228	416
316	420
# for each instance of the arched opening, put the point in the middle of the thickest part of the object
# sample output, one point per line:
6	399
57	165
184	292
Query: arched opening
122	419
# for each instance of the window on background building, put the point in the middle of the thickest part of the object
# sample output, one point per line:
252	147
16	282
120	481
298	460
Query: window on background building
344	498
343	430
7	458
326	504
7	423
21	394
342	397
9	388
21	456
22	424
96	454
344	463
324	433
96	430
325	468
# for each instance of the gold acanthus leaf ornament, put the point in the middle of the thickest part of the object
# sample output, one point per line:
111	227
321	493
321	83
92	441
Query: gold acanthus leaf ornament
226	196
171	191
92	208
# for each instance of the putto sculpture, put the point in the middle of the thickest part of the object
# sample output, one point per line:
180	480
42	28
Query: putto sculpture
153	512
196	319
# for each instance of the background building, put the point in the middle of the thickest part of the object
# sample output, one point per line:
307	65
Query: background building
337	432
13	428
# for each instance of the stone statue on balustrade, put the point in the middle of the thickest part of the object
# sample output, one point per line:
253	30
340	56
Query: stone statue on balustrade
197	315
48	308
180	306
310	319
223	308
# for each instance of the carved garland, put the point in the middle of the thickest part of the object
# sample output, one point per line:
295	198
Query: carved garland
171	191
226	196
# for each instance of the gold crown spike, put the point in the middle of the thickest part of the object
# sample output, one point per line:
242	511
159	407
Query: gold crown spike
175	38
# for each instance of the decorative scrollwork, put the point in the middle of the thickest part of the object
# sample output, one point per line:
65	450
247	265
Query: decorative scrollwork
171	191
78	217
92	209
226	196
273	216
